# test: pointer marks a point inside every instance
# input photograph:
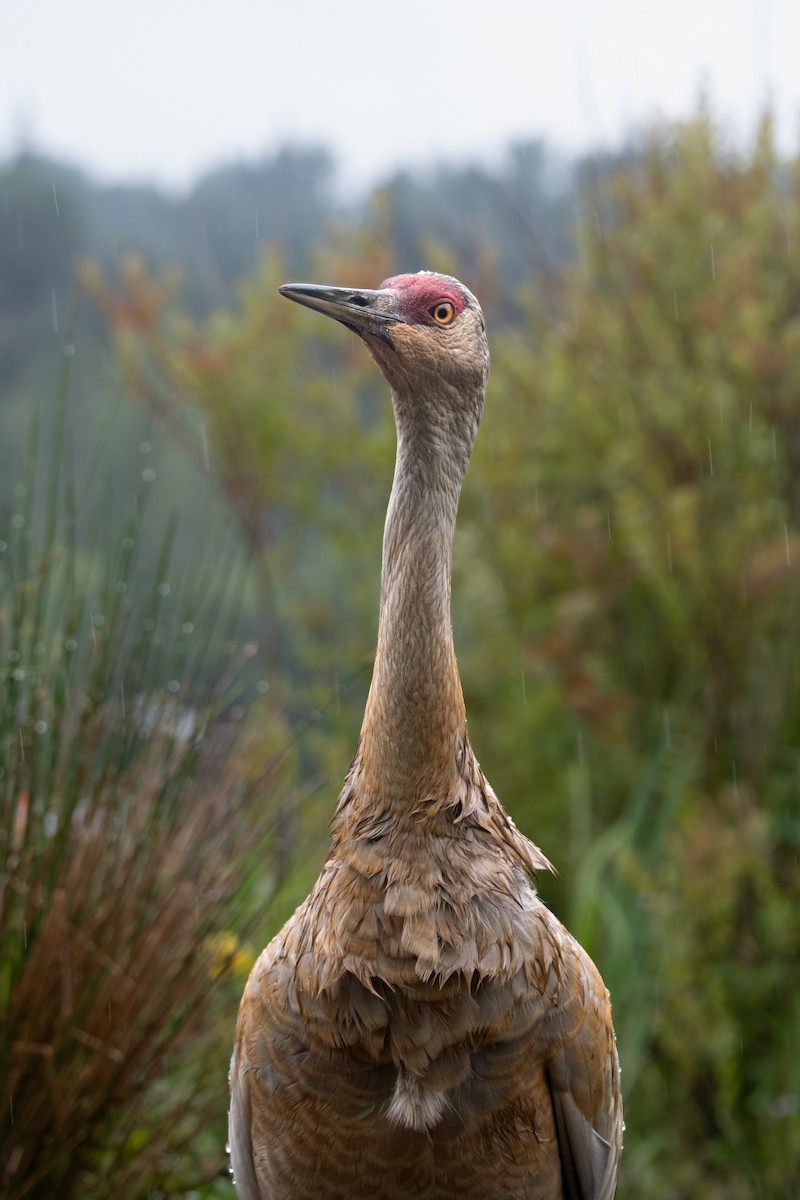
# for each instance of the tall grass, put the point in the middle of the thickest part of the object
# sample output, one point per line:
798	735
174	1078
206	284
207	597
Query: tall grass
135	833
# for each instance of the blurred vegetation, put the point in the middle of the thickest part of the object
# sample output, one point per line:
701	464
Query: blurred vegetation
642	497
137	851
626	577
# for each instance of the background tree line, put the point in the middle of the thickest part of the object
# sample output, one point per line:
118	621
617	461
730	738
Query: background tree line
190	580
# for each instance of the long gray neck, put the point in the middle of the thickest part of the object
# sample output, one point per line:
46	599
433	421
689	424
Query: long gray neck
415	715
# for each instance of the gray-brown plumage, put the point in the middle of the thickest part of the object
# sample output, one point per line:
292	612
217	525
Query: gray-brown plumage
423	1027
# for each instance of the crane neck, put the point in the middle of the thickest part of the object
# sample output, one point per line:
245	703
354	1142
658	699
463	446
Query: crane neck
415	718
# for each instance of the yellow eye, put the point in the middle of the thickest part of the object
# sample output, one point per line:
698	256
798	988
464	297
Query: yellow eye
443	312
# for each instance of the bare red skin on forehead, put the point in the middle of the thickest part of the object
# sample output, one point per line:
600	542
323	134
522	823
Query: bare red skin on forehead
419	293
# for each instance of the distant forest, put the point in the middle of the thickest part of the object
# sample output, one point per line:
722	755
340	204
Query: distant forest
52	214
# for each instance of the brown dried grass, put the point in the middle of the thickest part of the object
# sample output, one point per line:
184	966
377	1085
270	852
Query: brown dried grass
135	835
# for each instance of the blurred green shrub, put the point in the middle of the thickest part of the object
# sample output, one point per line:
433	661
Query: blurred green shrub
636	508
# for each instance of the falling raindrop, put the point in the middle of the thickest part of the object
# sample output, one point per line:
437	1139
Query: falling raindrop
522	680
713	262
55	200
667	729
580	747
54	309
786	543
204	438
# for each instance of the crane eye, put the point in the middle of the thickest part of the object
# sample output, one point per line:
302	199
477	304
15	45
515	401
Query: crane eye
443	312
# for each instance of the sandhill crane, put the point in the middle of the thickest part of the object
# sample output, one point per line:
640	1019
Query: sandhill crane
423	1027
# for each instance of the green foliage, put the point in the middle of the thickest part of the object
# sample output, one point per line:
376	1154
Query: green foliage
134	837
640	469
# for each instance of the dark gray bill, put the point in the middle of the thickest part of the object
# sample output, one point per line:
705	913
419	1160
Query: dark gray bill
363	311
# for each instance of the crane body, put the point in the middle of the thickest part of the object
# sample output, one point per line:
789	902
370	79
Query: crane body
423	1027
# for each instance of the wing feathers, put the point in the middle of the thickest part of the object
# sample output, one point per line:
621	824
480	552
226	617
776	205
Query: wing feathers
586	1157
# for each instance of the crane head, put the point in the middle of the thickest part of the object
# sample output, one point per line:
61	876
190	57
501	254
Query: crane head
425	331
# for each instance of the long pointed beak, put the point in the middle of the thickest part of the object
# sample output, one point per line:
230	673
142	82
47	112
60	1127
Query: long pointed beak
363	311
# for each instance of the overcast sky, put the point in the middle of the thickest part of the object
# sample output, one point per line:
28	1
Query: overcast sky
161	89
